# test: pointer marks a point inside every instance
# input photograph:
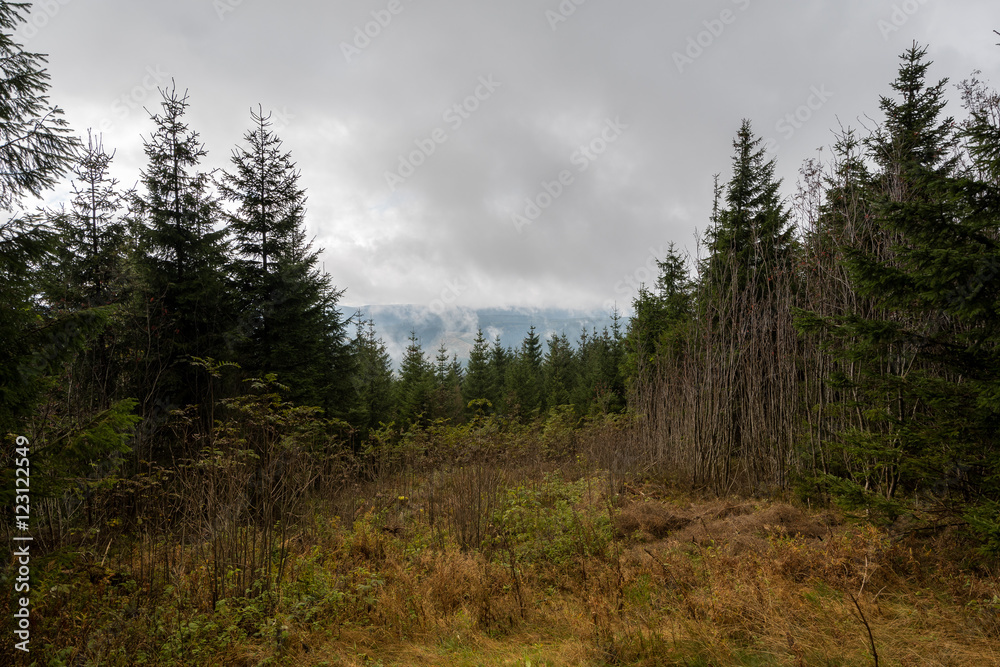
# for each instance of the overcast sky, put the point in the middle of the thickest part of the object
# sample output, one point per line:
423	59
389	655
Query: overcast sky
428	132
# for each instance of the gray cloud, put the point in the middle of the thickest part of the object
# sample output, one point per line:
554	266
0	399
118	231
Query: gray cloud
349	113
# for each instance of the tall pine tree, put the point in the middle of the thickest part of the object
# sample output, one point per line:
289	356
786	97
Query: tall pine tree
476	385
373	379
290	322
925	363
36	149
184	256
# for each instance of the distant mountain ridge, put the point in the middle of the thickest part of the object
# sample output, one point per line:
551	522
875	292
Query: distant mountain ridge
456	326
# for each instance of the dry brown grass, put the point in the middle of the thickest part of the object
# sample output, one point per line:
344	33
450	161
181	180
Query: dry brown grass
721	582
687	580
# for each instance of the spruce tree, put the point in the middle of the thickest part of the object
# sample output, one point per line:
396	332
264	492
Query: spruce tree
559	371
448	386
290	324
91	261
524	377
500	360
660	315
269	211
372	378
184	257
35	142
39	333
600	386
92	269
36	149
925	363
309	347
415	387
751	238
476	385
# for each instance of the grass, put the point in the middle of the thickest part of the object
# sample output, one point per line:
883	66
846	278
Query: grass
554	565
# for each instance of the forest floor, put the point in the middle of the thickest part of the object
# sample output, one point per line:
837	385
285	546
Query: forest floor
543	564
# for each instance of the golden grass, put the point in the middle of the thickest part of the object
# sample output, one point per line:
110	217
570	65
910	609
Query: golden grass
715	582
680	580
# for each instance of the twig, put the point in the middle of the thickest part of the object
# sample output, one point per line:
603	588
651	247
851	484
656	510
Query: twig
864	620
106	551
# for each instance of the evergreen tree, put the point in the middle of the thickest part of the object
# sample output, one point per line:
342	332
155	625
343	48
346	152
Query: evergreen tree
91	257
926	362
35	145
270	210
559	370
35	150
600	387
415	388
184	256
743	303
91	269
40	336
750	239
290	324
309	347
524	377
372	379
660	315
448	386
476	384
500	360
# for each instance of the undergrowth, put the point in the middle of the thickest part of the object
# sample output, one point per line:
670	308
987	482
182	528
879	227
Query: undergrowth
545	559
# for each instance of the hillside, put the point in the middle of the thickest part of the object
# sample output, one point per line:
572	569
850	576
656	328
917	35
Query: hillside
456	327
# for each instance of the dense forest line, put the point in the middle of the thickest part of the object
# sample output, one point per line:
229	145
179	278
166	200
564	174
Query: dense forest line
185	374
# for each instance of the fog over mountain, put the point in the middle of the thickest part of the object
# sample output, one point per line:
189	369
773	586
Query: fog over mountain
456	326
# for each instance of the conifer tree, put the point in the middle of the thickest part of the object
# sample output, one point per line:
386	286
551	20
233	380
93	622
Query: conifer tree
448	386
92	269
559	371
372	378
309	346
270	210
290	323
524	377
90	262
926	362
35	150
751	237
415	388
184	256
39	335
600	386
500	361
660	314
476	385
35	145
